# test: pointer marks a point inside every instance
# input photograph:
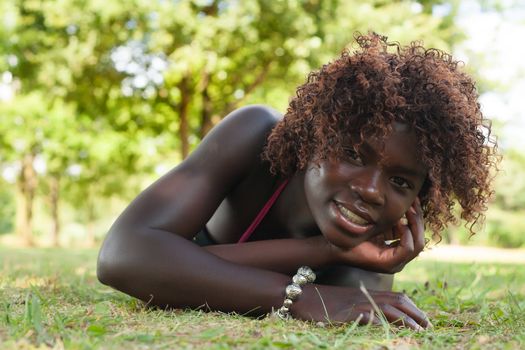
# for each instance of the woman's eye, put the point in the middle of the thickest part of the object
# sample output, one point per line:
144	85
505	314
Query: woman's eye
352	154
400	182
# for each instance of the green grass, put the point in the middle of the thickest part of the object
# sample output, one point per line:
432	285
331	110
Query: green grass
51	299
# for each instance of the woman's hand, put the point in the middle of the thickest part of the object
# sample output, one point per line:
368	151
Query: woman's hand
342	304
377	256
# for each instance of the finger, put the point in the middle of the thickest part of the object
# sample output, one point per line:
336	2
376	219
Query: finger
401	253
417	315
404	220
406	242
399	318
407	306
389	235
419	214
403	303
378	240
415	223
367	317
392	237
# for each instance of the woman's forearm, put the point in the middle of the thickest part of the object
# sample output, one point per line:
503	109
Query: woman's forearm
168	270
165	269
279	255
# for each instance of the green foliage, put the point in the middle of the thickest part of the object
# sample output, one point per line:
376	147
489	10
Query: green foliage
7	209
510	183
506	228
105	91
504	225
33	315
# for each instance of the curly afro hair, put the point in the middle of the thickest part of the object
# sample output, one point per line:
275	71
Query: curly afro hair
363	93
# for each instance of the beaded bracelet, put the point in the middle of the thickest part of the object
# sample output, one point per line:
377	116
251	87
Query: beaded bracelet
304	275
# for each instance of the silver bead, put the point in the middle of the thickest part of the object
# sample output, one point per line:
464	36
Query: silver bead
299	279
282	315
307	272
293	291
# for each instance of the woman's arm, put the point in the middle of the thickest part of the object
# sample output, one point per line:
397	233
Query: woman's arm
168	270
279	255
286	255
148	253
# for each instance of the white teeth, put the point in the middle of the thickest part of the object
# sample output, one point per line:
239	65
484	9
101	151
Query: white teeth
351	216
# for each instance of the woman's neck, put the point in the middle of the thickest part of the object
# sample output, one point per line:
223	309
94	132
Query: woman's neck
293	212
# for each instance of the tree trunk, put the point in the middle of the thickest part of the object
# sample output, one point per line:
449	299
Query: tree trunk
22	226
27	182
182	109
90	226
207	108
54	196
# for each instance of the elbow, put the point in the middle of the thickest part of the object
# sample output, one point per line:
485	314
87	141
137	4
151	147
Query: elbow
105	268
109	262
104	272
135	262
121	261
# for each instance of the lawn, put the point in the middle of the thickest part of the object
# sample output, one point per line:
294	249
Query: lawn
50	298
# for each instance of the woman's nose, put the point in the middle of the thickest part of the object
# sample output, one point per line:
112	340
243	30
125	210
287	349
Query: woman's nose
369	188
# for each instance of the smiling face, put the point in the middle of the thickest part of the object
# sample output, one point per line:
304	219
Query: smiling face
365	195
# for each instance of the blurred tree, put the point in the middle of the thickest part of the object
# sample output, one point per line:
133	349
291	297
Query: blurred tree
510	182
333	24
220	53
104	171
7	209
104	89
21	142
66	87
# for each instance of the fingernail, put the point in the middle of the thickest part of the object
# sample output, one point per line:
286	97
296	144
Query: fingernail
392	241
412	210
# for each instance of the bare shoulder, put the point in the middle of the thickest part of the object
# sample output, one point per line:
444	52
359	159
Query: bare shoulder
256	113
247	122
238	139
185	198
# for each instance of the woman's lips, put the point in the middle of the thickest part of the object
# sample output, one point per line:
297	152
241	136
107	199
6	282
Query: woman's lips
352	222
356	219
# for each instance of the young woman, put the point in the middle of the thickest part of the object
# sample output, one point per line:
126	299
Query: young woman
372	145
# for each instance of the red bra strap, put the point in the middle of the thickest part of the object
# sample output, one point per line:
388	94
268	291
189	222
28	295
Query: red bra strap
263	212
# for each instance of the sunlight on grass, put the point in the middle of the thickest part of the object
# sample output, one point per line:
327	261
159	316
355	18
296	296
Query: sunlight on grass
26	282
